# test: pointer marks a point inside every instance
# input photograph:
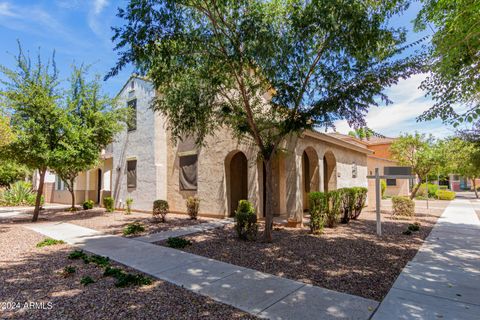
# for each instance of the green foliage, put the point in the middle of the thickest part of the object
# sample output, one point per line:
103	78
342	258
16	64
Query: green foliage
403	206
193	205
246	221
86	280
160	209
109	204
87	205
128	202
347	203
133	228
407	232
99	260
11	172
68	271
126	279
432	190
335	201
359	203
453	60
344	55
19	194
178	242
318	211
78	254
445	195
383	186
414	226
49	242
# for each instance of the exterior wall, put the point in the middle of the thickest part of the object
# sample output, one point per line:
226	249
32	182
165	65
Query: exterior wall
146	144
381	150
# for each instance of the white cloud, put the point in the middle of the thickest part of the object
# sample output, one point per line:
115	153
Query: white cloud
6	10
408	103
99	5
94	17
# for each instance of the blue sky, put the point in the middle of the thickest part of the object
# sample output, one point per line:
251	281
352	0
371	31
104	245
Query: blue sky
79	31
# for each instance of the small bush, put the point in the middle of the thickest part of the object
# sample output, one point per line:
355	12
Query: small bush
109	204
78	254
429	190
347	202
86	280
193	205
128	202
87	205
421	198
360	199
177	242
414	226
126	279
445	195
334	208
49	242
99	260
246	221
318	211
20	193
68	271
133	228
403	206
160	209
112	272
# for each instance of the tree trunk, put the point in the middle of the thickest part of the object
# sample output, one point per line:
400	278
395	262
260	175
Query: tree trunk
268	200
475	186
415	190
36	212
72	192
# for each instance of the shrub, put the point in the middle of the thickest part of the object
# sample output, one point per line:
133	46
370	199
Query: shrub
359	203
403	206
49	242
87	205
126	279
160	209
318	211
128	209
443	187
414	226
100	261
246	221
86	281
193	204
429	190
109	204
68	271
19	194
383	187
177	242
445	195
347	202
78	254
334	207
133	228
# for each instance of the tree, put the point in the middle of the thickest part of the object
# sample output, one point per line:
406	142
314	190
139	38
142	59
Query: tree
464	159
92	122
454	58
418	152
6	134
264	69
30	92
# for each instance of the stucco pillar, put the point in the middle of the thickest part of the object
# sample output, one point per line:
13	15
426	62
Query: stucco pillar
87	184
294	190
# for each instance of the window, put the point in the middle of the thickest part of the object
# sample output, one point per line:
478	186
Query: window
391	182
60	184
354	170
131	174
188	172
132	117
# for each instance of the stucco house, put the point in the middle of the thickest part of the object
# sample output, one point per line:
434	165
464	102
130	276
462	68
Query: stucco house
144	164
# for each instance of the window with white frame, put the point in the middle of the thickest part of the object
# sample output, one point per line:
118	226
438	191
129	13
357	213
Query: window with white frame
60	185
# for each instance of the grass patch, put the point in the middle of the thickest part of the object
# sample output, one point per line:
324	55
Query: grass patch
68	271
133	228
100	260
49	242
177	242
86	280
414	226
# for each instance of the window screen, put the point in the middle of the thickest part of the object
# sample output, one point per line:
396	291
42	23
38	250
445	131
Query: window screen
391	182
188	172
132	117
131	173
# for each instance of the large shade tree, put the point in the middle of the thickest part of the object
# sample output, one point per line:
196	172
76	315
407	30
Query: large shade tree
264	69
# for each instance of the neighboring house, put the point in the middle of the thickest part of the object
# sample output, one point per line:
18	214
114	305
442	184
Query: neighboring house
380	158
459	183
145	165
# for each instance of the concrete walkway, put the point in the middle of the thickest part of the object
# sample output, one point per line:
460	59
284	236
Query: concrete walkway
180	232
443	280
22	212
252	291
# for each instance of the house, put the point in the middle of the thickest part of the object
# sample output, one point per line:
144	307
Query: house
144	164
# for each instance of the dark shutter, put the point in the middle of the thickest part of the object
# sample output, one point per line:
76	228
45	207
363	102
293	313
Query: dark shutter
132	117
131	173
188	172
391	182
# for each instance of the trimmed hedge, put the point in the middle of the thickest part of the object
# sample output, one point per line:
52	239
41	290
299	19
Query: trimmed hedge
445	195
87	205
246	221
318	211
403	206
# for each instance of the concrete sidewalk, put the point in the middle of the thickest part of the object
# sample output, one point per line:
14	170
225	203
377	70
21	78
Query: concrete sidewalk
252	291
443	280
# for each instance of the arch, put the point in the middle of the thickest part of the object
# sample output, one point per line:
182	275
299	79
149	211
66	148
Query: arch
310	174
329	171
236	168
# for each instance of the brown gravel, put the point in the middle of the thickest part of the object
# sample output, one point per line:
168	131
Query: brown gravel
30	274
113	223
349	258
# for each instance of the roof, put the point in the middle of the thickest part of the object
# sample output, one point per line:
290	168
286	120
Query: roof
374	140
337	141
132	76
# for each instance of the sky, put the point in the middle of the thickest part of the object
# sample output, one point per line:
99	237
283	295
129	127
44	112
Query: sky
80	32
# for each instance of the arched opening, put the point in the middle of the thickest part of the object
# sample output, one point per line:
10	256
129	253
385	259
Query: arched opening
310	174
237	184
329	172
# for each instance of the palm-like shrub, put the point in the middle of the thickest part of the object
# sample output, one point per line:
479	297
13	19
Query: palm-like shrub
20	193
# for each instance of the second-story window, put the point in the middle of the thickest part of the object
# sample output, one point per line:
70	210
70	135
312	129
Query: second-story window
132	116
131	174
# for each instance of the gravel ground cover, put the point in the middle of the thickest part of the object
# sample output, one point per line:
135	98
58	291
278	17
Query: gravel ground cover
114	222
349	258
31	274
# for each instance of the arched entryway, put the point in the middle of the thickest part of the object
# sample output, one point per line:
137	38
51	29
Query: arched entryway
329	172
310	174
237	182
